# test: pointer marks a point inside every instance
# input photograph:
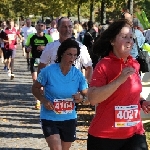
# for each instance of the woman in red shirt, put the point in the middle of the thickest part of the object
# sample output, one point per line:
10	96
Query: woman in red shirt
115	88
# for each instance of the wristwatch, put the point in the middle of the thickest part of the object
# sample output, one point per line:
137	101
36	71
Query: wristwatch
84	99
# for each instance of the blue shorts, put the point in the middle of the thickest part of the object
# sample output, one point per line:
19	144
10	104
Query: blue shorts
66	129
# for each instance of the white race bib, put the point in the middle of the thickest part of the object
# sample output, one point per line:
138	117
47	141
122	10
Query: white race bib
126	116
63	106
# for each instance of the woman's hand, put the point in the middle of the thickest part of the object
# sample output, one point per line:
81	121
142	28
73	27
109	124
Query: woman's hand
77	97
146	106
47	104
126	72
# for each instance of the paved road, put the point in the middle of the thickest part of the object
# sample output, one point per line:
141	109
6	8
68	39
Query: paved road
19	122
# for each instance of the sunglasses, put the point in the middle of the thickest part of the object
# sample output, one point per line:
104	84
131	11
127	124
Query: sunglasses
41	25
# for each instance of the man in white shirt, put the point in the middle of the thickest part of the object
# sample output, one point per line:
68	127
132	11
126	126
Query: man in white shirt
28	29
49	54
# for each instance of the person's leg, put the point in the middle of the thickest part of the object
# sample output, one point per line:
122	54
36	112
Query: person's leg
136	142
5	59
1	55
96	143
66	145
54	142
12	63
33	70
51	133
8	57
38	103
67	133
28	59
23	48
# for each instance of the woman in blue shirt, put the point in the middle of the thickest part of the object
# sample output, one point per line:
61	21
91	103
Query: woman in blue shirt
63	83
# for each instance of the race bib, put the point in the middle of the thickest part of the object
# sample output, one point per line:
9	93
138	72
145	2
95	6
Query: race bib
126	116
63	106
11	37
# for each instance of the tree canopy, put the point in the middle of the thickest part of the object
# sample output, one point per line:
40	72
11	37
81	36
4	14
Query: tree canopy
56	8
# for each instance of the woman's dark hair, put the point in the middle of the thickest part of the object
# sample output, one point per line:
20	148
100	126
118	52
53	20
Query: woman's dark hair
68	43
103	46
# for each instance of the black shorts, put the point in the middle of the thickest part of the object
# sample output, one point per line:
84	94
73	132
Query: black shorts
10	53
33	65
66	129
23	44
136	142
4	52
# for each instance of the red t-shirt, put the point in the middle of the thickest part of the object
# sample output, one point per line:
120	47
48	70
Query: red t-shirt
128	94
10	34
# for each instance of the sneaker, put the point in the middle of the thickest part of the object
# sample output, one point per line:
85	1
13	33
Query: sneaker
9	73
12	76
37	105
5	68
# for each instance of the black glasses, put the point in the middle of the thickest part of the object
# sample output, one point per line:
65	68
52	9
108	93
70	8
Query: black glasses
72	55
41	25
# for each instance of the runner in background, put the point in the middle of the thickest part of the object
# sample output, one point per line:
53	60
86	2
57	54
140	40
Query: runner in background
53	30
3	53
81	34
88	41
9	37
35	44
22	43
28	29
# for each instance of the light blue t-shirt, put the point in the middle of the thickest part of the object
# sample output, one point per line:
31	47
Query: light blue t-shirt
59	86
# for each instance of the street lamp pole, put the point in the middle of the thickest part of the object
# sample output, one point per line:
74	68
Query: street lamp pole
130	6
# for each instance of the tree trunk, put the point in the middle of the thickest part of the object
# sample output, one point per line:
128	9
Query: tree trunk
91	10
78	12
42	18
103	12
69	14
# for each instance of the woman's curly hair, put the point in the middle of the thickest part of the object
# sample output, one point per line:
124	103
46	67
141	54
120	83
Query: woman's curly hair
103	46
68	43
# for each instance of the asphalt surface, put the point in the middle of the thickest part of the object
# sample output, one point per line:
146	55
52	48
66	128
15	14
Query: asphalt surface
19	121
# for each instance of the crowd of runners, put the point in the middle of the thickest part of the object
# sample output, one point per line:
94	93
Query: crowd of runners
72	63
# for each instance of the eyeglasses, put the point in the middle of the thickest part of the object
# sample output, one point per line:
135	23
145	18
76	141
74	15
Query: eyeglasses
41	25
72	55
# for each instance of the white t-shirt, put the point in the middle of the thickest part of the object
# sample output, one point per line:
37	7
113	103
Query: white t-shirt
54	33
49	55
27	31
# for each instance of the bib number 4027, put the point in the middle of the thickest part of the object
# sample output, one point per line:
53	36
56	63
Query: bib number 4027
127	114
